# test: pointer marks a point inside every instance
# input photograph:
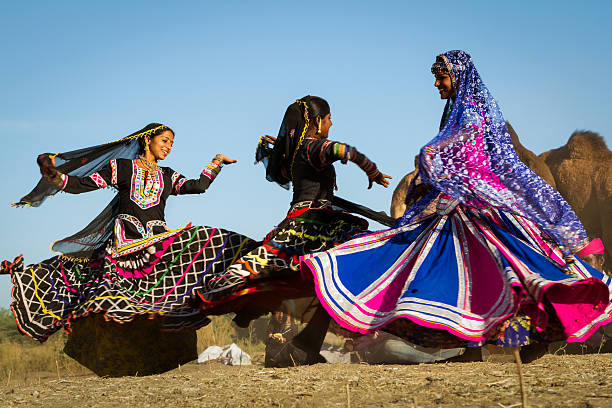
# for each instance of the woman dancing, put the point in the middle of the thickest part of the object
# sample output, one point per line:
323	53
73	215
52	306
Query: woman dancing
127	261
494	262
301	155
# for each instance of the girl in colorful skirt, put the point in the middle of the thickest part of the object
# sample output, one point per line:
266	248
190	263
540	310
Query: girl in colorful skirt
495	261
301	155
127	261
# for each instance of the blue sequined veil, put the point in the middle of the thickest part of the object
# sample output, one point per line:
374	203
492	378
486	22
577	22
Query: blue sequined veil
472	159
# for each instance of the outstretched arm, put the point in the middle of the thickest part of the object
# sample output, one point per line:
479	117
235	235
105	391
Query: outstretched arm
183	185
324	152
105	177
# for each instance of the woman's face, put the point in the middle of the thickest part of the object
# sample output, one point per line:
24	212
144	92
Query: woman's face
595	260
445	86
161	145
325	125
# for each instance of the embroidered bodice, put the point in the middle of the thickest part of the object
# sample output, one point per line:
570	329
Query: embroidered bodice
314	176
142	198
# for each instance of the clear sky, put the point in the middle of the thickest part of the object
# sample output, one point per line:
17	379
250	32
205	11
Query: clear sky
76	74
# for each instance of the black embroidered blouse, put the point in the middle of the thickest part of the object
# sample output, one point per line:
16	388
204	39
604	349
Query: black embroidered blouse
314	176
142	198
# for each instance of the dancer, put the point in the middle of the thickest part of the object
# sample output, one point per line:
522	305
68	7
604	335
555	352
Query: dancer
494	262
127	261
301	155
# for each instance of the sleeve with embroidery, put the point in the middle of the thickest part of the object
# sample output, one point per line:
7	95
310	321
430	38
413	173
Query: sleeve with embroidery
105	177
183	185
321	153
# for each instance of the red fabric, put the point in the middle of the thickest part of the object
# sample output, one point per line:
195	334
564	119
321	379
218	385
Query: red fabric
595	247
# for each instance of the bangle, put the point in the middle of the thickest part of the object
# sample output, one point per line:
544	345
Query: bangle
217	161
59	180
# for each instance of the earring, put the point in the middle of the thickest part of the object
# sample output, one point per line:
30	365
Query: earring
319	127
146	149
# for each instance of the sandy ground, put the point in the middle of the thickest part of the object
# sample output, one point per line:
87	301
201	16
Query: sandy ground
552	381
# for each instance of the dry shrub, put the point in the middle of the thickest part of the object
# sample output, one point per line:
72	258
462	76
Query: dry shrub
222	331
21	361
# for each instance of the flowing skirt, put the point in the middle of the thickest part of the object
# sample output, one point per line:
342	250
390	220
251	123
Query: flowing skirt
167	279
303	231
458	276
261	279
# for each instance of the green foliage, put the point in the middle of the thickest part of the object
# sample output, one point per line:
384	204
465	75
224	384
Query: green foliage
8	327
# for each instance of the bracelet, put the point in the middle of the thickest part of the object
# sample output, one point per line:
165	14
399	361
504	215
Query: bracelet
217	161
374	174
59	180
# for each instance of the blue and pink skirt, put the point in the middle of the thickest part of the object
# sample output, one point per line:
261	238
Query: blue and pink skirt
461	276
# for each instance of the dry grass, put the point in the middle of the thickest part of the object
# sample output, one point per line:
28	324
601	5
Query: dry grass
41	375
551	382
222	332
26	362
23	361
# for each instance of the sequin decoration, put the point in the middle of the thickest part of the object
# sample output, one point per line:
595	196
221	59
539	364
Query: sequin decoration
179	184
175	176
472	159
113	164
147	186
100	182
124	246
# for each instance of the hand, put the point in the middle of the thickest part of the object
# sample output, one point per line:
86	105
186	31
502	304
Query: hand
269	139
223	159
47	165
48	169
379	178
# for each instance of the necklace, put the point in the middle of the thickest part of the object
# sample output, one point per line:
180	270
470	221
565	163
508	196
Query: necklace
149	177
151	166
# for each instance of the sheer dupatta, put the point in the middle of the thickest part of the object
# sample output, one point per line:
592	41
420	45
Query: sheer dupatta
278	157
472	159
80	163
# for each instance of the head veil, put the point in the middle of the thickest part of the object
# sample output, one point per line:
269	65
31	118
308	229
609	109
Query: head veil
81	163
472	159
279	158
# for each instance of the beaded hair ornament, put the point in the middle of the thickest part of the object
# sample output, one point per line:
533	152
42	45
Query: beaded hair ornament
443	67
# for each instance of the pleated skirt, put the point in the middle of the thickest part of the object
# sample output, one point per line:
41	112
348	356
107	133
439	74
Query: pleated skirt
461	276
167	280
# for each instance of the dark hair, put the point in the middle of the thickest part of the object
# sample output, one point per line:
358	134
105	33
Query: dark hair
292	131
317	107
147	129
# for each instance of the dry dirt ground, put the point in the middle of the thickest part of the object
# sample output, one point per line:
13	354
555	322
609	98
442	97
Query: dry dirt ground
552	381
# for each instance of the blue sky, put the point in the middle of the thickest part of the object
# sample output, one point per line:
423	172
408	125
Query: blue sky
75	74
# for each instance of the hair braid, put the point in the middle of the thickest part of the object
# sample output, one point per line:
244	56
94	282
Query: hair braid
301	139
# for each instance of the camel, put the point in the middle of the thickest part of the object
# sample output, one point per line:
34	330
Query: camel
582	170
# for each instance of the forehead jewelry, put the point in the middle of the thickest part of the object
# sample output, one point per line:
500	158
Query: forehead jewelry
442	66
438	68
